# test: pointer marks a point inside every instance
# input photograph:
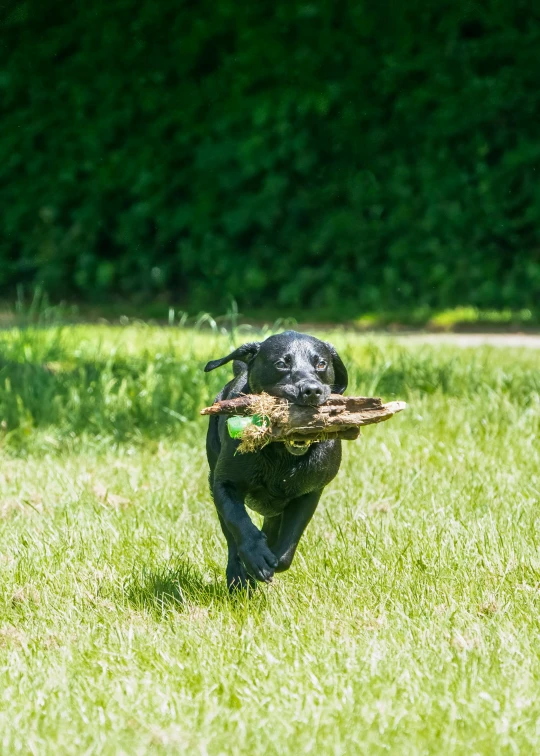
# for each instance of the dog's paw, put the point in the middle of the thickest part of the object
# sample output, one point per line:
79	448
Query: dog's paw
259	561
238	578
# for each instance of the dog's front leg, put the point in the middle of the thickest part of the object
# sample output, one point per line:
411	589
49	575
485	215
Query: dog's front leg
257	558
295	519
237	576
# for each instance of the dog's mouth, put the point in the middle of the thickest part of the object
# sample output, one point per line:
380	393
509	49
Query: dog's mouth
293	396
297	447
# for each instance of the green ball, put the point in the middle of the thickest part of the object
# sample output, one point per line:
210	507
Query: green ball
237	424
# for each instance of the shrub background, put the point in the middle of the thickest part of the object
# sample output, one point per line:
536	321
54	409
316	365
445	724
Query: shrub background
347	156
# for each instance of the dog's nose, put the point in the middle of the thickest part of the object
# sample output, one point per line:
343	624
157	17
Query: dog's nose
311	393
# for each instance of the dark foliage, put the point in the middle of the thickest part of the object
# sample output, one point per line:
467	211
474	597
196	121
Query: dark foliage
348	156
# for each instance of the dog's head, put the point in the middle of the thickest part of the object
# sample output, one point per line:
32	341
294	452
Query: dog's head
300	368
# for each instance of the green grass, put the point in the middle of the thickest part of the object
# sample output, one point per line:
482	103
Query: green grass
453	319
409	622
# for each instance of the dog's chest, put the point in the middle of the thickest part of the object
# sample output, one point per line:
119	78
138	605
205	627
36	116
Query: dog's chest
284	478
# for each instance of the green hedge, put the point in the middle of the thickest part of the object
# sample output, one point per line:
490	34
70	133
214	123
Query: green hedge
351	156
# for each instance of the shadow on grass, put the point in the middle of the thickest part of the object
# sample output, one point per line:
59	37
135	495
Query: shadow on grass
120	396
172	586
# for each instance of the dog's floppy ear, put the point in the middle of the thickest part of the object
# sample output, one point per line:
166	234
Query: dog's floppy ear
341	377
244	353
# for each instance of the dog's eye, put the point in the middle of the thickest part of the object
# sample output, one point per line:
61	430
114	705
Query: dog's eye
280	364
321	364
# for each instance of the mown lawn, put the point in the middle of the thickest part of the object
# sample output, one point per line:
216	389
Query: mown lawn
408	624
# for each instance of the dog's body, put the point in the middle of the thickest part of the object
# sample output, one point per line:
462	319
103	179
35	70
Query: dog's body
282	482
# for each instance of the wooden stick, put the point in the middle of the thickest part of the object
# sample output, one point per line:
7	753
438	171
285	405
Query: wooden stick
339	413
312	422
244	405
340	417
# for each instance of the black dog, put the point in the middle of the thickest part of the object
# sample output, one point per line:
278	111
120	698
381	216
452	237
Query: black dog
282	481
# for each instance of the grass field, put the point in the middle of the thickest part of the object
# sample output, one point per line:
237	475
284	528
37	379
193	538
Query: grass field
409	623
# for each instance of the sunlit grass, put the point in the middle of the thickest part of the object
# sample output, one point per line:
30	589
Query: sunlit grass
408	623
454	318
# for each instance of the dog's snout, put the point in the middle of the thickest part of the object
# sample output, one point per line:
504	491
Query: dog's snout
312	389
311	393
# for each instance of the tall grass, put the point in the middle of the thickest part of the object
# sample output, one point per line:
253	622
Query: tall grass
133	382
